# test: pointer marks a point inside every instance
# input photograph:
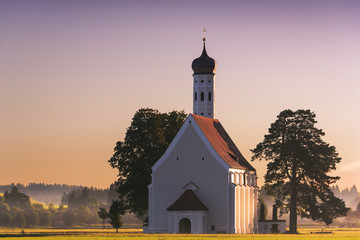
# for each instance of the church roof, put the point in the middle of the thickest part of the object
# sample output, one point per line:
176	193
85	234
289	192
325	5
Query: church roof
188	201
222	143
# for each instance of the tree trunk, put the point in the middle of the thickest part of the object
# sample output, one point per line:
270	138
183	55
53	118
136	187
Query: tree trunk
293	214
103	223
117	230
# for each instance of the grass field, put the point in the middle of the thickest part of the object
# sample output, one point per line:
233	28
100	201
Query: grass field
132	234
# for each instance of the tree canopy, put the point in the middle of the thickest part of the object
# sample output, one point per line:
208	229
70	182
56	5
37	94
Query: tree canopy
115	221
103	214
299	162
147	138
16	210
17	199
82	199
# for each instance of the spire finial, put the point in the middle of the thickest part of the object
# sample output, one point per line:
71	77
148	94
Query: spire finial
204	31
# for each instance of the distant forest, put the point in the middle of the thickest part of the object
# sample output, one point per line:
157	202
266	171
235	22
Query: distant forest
59	193
350	196
79	208
78	205
55	193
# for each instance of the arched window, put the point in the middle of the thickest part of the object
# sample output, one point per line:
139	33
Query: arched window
202	96
209	96
195	96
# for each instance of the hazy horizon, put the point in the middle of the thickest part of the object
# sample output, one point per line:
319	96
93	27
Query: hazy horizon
73	73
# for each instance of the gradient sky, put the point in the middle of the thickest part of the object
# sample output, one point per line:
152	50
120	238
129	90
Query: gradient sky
73	73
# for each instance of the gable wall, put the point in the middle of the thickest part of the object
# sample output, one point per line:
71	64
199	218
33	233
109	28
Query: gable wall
209	175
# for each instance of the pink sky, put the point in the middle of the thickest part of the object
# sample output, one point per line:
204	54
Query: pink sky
73	73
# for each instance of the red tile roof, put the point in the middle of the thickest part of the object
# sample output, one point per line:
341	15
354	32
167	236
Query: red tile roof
188	201
222	142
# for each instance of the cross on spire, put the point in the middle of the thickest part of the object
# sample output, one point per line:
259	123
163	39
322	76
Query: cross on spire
204	31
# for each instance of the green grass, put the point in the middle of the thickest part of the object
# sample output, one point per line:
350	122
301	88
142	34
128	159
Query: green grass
135	234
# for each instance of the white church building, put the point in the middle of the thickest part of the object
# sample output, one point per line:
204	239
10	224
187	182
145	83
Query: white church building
202	183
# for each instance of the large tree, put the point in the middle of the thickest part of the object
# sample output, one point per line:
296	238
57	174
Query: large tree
147	138
298	169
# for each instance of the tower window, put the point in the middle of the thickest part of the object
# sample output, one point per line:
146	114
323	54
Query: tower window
202	96
195	96
202	113
202	81
195	81
209	81
209	114
209	96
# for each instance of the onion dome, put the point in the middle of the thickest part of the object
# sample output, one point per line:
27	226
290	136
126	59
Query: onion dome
204	64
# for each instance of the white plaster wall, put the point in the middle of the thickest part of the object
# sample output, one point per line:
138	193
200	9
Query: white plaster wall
243	209
265	226
205	106
172	175
195	217
256	193
232	208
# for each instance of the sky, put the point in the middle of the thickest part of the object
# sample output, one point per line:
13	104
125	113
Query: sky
73	73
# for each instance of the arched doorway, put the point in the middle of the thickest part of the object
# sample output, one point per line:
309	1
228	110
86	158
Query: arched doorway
184	225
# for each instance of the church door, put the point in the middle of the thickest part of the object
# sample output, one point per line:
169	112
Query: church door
184	225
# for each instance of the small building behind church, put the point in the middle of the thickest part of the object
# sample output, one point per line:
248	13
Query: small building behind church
202	183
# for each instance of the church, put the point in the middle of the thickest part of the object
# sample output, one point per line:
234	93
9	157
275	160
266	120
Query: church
202	183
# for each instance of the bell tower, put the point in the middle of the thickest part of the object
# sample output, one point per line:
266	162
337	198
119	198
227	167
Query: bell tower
204	84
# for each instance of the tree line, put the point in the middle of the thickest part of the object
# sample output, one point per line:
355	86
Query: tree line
52	193
350	195
353	217
102	195
16	210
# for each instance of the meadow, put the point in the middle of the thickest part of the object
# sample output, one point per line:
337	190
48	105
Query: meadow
132	234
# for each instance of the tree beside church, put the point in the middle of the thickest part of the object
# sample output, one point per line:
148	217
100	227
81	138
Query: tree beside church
147	138
299	166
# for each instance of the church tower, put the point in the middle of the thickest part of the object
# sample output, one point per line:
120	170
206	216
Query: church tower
202	184
204	85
